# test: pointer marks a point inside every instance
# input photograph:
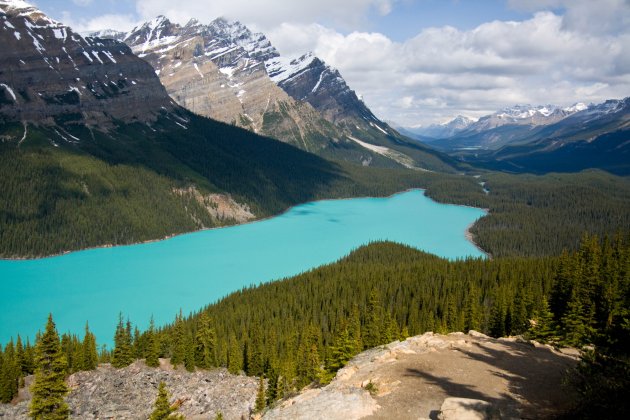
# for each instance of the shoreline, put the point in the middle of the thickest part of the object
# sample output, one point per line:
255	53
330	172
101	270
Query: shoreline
467	234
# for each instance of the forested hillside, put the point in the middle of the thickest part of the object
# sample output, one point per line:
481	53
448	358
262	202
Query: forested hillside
303	329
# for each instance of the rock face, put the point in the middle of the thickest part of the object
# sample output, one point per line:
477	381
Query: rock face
50	72
309	79
130	393
431	374
217	70
226	72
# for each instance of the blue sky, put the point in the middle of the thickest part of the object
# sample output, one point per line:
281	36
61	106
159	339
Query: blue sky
416	62
405	20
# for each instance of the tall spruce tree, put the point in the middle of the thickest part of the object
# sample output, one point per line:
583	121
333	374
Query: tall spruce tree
49	388
205	343
374	321
9	374
123	352
151	346
89	352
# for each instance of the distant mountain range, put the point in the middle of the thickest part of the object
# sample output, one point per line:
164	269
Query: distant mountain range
540	139
224	71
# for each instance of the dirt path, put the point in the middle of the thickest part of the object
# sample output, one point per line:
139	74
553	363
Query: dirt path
413	378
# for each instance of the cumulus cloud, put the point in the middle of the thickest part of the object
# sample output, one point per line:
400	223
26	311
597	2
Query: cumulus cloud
444	71
568	51
110	21
267	14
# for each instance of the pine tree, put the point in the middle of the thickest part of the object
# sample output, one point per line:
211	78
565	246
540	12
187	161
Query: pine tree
163	409
374	321
9	374
354	329
309	364
272	392
255	356
90	355
49	388
151	348
471	310
189	353
123	352
205	343
542	326
235	356
261	402
178	341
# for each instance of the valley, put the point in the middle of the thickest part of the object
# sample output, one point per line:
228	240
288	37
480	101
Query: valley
230	230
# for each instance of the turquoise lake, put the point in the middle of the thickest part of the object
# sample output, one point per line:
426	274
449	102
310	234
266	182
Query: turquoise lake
193	270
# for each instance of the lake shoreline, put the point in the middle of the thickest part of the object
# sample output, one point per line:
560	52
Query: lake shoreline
468	235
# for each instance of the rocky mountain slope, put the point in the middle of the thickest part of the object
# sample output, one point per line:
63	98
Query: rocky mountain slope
421	377
49	72
95	152
224	71
596	137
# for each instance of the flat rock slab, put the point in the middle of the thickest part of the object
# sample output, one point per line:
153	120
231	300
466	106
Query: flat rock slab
465	409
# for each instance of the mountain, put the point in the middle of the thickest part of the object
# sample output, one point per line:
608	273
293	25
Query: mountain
596	137
48	72
94	152
224	71
441	131
498	129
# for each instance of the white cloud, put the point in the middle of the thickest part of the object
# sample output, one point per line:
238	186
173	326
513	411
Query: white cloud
568	51
112	21
82	3
267	14
444	71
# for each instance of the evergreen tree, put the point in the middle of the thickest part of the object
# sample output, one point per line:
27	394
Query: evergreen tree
261	402
49	388
309	364
471	310
354	329
178	341
542	326
9	374
163	409
273	384
189	355
123	353
374	321
235	356
151	348
205	343
90	355
255	356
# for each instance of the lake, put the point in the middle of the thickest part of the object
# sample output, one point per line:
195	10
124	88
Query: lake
190	271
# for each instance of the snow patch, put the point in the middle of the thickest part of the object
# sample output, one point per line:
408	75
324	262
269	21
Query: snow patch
110	56
198	71
10	91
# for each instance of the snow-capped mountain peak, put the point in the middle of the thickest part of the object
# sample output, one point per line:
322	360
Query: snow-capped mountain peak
281	69
580	106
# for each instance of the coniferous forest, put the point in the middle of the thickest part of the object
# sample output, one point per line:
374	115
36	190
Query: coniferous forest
303	329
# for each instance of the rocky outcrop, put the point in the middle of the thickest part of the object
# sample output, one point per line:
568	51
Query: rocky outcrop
50	73
419	377
221	208
129	393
